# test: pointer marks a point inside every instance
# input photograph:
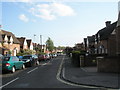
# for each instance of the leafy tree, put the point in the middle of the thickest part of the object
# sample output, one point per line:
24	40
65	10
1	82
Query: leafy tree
50	44
61	47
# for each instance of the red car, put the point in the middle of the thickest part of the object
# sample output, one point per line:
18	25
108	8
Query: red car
42	57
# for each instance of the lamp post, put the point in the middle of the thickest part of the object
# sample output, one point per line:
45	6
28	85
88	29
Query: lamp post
41	42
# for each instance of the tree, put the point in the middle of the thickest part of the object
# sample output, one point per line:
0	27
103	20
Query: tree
61	47
50	44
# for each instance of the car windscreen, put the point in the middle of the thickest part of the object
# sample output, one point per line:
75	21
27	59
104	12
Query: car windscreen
5	58
26	57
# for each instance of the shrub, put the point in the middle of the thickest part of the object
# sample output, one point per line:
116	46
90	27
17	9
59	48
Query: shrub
76	52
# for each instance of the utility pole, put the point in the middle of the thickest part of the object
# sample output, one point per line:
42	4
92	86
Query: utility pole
41	42
34	43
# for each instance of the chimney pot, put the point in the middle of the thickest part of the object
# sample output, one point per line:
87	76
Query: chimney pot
107	23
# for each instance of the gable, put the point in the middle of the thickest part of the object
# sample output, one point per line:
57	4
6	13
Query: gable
1	37
9	34
25	42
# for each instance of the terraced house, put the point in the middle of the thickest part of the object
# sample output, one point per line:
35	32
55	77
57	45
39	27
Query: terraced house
0	43
105	39
118	35
8	43
23	43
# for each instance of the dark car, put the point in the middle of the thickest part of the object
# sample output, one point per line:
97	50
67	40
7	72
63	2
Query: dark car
30	60
1	62
12	63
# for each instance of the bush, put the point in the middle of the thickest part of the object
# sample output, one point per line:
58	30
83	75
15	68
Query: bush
25	52
76	52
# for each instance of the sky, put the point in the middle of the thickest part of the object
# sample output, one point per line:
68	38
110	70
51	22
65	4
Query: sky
66	23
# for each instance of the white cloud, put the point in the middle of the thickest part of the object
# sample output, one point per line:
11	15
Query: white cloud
51	11
23	18
60	0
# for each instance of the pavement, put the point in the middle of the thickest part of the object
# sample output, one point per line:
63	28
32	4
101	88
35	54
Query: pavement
89	76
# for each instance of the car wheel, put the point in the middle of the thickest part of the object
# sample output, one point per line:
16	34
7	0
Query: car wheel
23	66
13	69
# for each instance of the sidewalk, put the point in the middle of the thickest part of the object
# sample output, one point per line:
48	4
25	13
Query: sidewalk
89	76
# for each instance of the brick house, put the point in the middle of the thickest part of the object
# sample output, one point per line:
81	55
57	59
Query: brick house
105	42
9	43
90	43
79	46
23	43
43	47
85	44
0	43
118	35
30	44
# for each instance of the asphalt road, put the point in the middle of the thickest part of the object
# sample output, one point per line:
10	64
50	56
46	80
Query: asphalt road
46	75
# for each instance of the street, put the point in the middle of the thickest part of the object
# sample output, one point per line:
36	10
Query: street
46	75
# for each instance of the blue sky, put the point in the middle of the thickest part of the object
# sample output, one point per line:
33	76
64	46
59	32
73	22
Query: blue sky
66	23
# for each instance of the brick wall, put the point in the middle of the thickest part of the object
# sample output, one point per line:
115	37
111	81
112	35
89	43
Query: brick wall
108	64
112	45
118	40
11	47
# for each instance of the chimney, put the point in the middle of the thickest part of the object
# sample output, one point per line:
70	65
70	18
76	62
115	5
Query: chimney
107	23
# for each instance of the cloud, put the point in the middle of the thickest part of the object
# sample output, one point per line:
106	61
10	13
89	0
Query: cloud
19	0
23	18
51	11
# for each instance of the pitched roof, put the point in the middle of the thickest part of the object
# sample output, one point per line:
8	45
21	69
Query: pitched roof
105	32
29	42
0	36
21	40
3	33
91	38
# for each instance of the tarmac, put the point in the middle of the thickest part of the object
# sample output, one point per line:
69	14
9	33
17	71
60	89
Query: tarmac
89	76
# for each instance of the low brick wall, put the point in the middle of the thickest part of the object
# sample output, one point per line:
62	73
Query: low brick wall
76	60
108	64
90	60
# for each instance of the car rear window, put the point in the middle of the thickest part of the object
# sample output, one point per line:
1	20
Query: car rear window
26	57
6	58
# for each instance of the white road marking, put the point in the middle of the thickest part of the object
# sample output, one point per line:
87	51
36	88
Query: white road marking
44	64
9	82
63	72
32	70
84	69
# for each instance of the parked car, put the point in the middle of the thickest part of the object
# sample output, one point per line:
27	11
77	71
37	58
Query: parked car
51	56
48	57
12	63
30	60
1	57
42	57
20	57
1	62
54	55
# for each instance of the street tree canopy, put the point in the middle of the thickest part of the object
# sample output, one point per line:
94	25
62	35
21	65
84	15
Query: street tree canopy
50	44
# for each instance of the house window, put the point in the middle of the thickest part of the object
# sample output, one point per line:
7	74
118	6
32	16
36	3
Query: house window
98	38
95	39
